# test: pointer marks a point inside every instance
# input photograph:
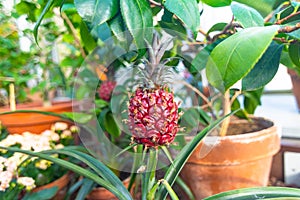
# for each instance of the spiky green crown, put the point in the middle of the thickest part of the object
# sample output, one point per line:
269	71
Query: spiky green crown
154	70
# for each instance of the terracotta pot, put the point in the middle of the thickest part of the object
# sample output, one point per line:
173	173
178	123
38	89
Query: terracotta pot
295	78
101	193
33	122
234	161
61	183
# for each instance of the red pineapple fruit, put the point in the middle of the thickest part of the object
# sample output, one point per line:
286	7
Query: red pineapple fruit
106	89
152	112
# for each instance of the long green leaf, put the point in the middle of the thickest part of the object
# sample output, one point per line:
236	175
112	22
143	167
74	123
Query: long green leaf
39	21
258	193
187	11
230	61
264	70
170	190
246	16
185	188
98	167
85	189
42	194
184	155
137	15
75	168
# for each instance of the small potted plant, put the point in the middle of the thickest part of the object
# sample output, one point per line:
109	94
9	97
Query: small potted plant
23	176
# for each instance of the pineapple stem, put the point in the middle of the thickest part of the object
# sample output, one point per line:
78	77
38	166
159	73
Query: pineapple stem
227	109
148	177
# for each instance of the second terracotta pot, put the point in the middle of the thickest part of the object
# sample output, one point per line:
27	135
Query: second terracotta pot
101	193
233	161
295	78
60	183
34	122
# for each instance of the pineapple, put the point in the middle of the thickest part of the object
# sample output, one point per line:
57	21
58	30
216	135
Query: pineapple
152	111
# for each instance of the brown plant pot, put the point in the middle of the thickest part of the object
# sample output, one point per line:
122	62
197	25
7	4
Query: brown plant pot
101	193
295	78
234	161
60	183
33	122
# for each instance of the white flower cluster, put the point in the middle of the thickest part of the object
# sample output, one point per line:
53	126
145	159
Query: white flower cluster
8	169
47	140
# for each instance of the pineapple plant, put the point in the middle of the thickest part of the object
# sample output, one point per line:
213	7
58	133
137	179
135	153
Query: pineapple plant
106	89
152	111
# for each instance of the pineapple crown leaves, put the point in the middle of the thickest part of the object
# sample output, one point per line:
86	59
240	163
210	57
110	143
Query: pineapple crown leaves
154	70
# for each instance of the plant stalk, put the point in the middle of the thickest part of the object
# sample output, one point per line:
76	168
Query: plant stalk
227	110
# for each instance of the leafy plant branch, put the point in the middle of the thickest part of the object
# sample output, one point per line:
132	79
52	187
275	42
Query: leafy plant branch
287	18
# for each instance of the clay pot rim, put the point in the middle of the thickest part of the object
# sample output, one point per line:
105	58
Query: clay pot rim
246	135
53	107
60	183
221	144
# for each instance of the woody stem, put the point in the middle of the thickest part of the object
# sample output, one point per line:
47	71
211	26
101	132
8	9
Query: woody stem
227	109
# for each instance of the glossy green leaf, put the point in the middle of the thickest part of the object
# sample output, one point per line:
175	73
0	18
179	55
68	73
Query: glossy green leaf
264	7
233	58
101	31
258	193
294	52
265	69
87	39
79	170
174	28
117	27
68	8
217	3
199	62
39	21
111	126
285	59
217	27
252	100
246	16
25	7
105	10
187	11
137	15
180	160
85	9
97	11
